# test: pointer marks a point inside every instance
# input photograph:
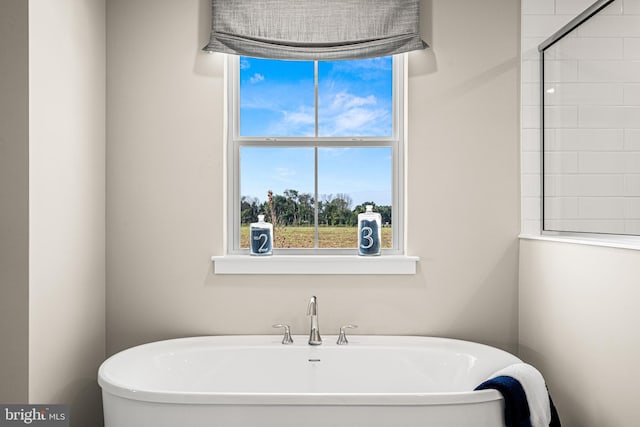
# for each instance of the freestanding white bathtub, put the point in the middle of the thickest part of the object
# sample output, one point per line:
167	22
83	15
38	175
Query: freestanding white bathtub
255	381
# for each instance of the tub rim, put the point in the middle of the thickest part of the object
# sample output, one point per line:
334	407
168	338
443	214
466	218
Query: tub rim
111	387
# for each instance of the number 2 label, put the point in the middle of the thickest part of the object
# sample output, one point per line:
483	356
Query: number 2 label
264	243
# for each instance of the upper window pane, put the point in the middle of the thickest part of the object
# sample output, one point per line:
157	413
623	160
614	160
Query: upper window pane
355	98
276	98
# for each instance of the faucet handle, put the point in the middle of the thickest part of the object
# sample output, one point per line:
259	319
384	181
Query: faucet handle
342	338
286	339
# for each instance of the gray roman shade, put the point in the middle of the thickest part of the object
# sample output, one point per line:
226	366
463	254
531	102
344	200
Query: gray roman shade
315	29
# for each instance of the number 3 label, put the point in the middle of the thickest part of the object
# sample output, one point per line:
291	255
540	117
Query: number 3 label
367	232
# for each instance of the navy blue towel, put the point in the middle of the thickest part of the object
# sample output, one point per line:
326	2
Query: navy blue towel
516	407
555	419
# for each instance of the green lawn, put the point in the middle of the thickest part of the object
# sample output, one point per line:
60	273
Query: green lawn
302	237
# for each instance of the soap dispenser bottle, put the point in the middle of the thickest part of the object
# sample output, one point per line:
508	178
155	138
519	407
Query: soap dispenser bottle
261	237
369	233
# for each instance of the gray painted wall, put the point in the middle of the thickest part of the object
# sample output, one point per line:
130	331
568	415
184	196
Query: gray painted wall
165	202
67	204
52	187
578	325
14	201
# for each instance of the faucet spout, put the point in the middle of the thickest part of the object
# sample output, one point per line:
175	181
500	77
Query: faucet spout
314	333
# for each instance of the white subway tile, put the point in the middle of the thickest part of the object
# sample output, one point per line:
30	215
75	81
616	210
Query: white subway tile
560	71
632	228
557	117
601	207
584	94
632	208
609	71
537	7
631	7
632	94
587	226
530	117
554	225
531	71
586	140
576	7
530	140
604	162
585	185
531	226
543	25
611	26
632	139
607	117
531	185
631	47
633	162
531	208
560	207
615	8
632	185
611	226
530	162
559	162
530	94
550	136
586	48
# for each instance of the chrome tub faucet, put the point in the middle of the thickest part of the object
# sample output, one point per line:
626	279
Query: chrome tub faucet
314	333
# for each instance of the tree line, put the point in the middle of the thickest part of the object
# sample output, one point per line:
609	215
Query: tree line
293	208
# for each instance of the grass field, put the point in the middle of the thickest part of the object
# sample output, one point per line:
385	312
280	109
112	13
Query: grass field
328	237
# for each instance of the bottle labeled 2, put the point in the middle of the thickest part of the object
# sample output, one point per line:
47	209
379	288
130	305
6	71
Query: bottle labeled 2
261	237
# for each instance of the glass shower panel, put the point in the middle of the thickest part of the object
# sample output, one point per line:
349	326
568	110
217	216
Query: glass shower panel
591	116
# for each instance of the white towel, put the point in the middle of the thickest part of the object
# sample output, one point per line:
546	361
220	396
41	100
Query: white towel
534	387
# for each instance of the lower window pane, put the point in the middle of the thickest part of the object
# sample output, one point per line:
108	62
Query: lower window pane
289	174
348	180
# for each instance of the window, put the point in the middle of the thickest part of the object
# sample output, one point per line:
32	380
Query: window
591	126
310	143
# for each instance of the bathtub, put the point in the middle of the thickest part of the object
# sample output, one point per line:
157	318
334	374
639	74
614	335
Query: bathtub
255	381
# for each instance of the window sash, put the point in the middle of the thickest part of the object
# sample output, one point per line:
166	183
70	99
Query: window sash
235	141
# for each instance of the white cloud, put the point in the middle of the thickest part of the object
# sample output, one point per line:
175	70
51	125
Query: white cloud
256	78
300	117
245	64
284	174
345	101
299	122
343	113
356	121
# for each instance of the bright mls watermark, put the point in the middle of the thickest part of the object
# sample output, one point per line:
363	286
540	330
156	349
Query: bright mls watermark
34	415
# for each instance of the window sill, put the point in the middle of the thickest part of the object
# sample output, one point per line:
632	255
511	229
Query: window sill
619	242
314	264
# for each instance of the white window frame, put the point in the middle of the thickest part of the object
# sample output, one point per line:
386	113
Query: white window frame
234	142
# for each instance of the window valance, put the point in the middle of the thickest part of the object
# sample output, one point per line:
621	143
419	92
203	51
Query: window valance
315	29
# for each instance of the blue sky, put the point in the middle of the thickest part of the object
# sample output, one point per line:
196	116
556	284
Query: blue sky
354	99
